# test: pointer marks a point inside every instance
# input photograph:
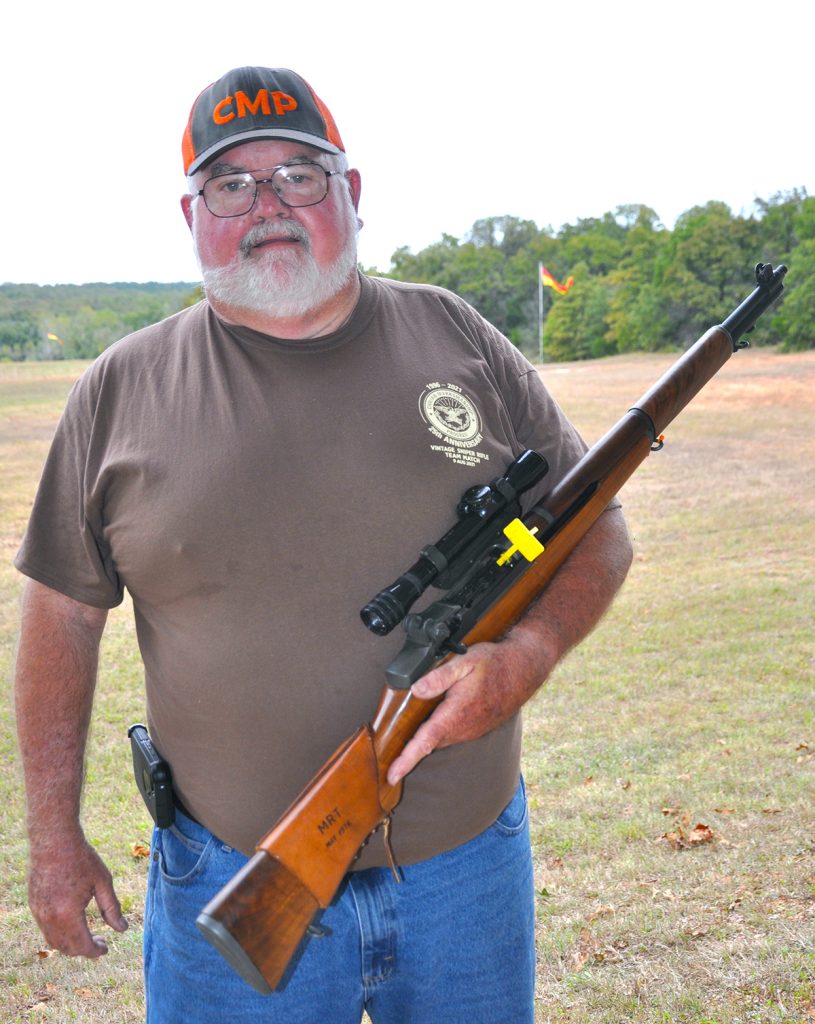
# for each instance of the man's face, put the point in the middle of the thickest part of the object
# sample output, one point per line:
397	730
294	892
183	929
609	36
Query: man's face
277	259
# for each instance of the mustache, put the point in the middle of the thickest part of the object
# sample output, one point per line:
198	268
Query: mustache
266	232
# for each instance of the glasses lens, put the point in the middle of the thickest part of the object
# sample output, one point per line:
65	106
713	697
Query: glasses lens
229	195
300	184
232	195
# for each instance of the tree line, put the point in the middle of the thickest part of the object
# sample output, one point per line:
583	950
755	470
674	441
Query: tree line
68	321
638	286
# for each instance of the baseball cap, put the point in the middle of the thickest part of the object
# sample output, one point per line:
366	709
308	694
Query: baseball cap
256	103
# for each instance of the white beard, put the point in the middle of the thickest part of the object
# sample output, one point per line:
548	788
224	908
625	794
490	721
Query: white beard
284	283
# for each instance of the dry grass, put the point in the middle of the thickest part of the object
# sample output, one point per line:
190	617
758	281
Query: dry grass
692	703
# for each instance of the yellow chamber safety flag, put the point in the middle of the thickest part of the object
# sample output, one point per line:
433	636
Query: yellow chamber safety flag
521	539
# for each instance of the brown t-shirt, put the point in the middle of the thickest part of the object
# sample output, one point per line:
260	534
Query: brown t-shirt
253	494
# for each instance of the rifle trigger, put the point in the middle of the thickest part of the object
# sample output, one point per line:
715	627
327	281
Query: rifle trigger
386	836
659	444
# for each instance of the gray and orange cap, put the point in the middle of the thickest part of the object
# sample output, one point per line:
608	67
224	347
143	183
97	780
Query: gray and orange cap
256	103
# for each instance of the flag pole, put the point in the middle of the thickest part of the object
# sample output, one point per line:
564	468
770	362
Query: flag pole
540	312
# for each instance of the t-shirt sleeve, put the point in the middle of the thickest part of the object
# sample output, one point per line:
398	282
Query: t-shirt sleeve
537	419
63	546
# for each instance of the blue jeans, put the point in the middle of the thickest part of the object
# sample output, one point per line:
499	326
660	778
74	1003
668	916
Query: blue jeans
453	943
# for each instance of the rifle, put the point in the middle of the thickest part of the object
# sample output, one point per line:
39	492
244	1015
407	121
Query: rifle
493	565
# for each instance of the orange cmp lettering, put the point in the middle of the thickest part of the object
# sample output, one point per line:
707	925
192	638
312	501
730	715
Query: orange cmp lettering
283	103
246	106
240	105
219	115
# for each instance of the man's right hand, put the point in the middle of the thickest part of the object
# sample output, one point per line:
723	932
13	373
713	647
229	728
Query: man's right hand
61	884
55	678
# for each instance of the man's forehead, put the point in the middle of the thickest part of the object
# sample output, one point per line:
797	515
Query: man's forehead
261	153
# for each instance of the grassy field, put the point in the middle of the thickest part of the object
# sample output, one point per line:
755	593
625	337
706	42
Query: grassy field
670	762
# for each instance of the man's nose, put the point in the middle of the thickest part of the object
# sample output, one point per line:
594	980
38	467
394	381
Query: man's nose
268	202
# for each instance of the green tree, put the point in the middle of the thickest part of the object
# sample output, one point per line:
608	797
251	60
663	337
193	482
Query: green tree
435	264
596	241
794	324
637	319
19	334
805	220
576	325
704	270
780	219
509	234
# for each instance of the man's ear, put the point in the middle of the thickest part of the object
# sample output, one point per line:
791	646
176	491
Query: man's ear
355	184
186	206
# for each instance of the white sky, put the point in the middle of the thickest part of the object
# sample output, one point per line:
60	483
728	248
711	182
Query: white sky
589	104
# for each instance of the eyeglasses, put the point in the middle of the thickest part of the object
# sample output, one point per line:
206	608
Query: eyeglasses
234	194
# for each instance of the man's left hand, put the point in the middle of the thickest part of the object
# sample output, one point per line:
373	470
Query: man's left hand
481	690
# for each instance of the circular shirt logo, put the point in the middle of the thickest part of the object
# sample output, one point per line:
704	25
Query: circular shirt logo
452	414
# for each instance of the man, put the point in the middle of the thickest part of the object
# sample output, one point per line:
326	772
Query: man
253	470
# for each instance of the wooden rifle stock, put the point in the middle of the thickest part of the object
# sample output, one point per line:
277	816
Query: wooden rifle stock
259	919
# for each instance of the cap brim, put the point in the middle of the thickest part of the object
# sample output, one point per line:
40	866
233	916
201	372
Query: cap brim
259	133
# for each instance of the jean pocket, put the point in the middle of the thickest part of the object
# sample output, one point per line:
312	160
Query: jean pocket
512	820
181	856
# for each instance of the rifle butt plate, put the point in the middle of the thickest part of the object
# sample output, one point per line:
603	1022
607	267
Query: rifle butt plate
234	954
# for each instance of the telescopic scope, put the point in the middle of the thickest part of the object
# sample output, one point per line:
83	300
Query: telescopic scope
483	512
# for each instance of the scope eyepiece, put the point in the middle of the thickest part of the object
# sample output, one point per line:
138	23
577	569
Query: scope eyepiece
385	611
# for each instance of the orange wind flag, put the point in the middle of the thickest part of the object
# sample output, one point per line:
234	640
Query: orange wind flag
550	282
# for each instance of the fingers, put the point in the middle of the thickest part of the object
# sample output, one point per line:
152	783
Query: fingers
108	903
65	928
60	889
480	690
110	909
435	683
458	717
427	737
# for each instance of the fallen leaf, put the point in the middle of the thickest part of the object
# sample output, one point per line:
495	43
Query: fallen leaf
679	839
139	850
587	949
676	840
43	954
700	834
